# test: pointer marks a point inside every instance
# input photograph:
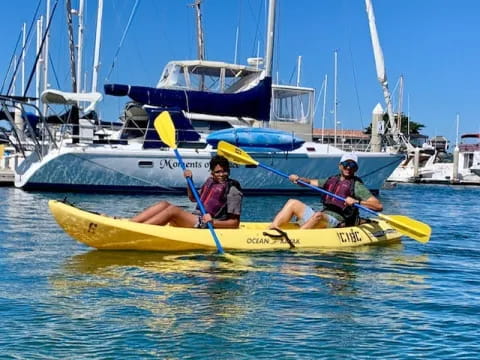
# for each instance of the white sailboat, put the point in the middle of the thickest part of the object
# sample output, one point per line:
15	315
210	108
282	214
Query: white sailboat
137	161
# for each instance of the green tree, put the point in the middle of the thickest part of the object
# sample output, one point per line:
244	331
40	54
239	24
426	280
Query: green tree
413	126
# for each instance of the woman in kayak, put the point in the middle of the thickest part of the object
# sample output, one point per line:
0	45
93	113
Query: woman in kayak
220	195
335	213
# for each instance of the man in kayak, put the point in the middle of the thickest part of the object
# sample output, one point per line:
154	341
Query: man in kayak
220	195
335	213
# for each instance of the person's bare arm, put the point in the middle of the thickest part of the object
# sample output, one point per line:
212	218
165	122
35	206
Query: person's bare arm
372	203
232	223
295	178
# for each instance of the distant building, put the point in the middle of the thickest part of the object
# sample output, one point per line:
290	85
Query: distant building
348	140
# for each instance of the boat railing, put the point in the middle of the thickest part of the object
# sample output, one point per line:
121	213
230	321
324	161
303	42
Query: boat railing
27	137
469	147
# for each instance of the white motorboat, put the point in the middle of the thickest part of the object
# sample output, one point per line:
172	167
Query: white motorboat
433	168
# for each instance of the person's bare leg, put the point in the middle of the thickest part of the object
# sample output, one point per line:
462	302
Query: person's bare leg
150	212
175	216
291	207
318	221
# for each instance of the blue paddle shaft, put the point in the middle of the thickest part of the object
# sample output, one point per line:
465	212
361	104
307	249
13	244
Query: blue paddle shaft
199	202
317	188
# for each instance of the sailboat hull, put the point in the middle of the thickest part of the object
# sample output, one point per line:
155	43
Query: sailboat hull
126	169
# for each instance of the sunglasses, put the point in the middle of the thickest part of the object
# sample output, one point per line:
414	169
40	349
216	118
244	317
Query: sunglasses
349	164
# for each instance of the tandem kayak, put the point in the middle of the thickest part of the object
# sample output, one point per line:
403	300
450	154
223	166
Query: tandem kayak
103	232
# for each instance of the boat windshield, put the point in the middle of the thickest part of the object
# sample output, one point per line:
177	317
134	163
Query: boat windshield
211	78
470	142
292	104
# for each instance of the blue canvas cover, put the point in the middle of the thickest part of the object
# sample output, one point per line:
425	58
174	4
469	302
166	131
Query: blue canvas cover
253	103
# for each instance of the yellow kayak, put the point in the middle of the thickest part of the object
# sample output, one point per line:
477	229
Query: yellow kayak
103	232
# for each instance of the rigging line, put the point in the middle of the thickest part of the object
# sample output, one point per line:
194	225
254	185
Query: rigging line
357	96
41	48
322	89
276	40
239	23
254	52
53	69
294	70
23	48
132	14
11	62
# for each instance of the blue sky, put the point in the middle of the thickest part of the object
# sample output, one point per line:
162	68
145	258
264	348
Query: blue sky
434	44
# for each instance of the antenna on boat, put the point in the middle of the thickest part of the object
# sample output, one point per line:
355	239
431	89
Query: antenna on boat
236	45
299	65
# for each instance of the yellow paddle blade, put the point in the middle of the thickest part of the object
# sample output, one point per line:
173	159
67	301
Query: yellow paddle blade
235	154
412	228
165	129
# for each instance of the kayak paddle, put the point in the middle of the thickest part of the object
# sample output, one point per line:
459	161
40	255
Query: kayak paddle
412	228
166	131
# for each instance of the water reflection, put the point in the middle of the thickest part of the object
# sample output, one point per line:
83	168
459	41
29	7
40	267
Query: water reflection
99	261
168	287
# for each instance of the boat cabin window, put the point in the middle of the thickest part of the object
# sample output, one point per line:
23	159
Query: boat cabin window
135	121
241	82
467	160
292	105
209	78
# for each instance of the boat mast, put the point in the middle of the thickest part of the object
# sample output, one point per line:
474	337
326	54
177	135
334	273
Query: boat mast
400	103
71	42
80	45
324	106
335	103
45	56
24	42
382	76
270	38
98	37
38	66
200	39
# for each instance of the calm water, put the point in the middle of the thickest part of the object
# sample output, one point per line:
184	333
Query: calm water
60	299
